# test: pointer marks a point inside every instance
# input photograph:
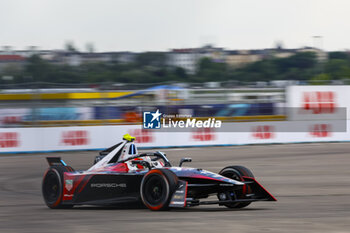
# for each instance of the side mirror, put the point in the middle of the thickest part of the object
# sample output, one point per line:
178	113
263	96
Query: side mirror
184	160
142	163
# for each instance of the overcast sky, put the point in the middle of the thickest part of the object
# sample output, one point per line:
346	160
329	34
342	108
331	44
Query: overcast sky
155	25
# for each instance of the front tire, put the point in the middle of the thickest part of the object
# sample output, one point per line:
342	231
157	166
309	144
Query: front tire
237	173
157	188
52	186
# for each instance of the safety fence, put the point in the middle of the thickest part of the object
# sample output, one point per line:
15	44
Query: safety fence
44	139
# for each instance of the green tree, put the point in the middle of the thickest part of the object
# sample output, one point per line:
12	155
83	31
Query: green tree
320	79
38	69
211	71
338	55
151	67
69	46
338	68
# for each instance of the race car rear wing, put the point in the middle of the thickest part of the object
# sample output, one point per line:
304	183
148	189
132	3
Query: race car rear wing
55	161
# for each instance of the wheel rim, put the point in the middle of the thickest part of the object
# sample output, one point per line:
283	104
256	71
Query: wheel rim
155	190
235	175
51	187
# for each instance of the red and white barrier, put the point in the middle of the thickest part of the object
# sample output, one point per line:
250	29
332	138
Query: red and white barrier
318	102
97	137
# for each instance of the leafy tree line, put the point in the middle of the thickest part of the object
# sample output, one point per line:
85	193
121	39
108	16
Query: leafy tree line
151	68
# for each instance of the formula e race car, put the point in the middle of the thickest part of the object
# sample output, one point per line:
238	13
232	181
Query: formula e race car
121	175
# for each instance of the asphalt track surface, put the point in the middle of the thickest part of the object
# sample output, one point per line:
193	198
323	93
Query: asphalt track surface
310	181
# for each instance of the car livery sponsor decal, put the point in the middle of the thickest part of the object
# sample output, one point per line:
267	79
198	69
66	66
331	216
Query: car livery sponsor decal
179	197
69	185
108	185
202	174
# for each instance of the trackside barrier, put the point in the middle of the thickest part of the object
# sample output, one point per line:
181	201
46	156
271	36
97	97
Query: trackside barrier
54	123
97	137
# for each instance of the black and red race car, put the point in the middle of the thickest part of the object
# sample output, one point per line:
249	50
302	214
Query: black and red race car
121	175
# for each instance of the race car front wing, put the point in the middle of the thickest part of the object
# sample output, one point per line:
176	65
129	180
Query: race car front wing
258	193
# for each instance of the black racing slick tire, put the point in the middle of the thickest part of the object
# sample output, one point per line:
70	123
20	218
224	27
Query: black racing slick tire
52	186
157	188
237	173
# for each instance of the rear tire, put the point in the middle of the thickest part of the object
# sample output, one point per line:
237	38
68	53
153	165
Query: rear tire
237	173
52	186
157	188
